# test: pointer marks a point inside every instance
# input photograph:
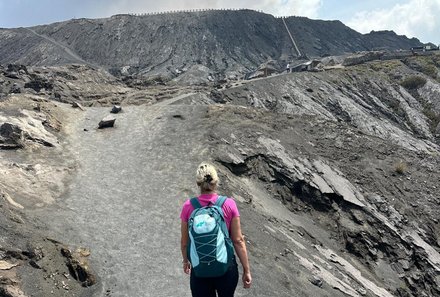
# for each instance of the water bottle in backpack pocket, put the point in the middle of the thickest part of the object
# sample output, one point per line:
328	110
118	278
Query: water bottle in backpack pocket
210	248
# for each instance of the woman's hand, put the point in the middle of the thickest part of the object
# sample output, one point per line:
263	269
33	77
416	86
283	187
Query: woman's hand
240	248
183	246
187	267
247	280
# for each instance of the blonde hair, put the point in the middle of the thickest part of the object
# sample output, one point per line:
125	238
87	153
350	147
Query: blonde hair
206	177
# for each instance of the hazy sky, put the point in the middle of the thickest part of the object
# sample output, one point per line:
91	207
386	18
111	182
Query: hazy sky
414	18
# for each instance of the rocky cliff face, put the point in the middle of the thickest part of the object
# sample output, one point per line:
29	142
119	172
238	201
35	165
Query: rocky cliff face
226	42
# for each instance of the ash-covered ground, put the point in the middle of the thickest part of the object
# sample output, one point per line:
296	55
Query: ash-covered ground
335	174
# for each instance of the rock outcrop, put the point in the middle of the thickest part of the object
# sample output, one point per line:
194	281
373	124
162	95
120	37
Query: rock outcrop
19	132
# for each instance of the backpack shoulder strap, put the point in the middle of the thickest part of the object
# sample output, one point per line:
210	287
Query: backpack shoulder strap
220	201
195	203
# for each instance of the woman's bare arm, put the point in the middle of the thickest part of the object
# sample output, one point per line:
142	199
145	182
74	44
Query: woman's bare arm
240	248
184	239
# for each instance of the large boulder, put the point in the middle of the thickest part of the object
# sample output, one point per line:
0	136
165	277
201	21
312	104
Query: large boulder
11	136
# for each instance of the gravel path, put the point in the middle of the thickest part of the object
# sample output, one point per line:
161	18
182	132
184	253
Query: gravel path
124	202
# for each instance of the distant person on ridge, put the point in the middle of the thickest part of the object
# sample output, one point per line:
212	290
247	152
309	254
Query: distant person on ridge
210	232
288	68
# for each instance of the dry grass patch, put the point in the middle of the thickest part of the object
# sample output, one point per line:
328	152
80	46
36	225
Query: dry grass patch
401	167
413	82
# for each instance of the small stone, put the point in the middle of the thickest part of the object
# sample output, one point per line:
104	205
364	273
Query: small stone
77	105
35	264
65	286
116	109
317	281
405	264
107	122
415	276
384	208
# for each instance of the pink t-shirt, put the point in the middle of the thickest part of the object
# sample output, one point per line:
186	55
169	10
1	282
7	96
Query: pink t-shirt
229	208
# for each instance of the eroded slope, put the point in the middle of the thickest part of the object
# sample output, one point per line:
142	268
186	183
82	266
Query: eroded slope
335	174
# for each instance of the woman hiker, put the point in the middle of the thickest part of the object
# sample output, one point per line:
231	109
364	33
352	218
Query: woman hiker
225	284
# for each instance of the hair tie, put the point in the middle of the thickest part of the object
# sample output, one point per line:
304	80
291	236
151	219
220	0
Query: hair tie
208	178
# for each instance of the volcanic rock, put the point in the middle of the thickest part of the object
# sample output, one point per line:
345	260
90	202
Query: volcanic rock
116	109
107	122
79	267
11	136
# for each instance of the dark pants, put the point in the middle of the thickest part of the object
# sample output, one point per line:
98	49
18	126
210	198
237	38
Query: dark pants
208	286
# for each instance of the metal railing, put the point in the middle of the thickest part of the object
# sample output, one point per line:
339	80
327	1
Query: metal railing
185	11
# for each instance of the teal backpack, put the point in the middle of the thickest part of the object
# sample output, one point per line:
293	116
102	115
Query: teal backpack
210	249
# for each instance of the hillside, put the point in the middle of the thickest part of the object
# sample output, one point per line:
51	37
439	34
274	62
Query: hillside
222	43
334	168
334	172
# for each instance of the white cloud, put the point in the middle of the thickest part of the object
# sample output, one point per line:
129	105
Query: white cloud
415	18
276	7
289	7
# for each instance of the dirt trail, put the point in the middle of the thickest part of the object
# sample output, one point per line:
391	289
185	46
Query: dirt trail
65	48
124	202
